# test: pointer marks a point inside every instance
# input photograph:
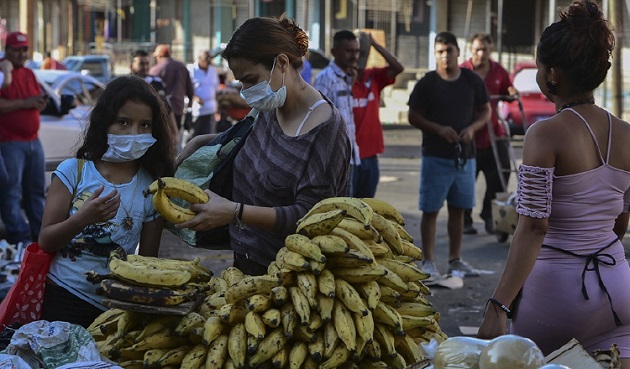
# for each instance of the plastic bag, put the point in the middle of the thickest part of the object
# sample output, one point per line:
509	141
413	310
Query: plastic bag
23	303
511	351
459	353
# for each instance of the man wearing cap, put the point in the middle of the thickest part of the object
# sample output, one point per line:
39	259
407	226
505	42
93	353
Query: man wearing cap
177	79
20	103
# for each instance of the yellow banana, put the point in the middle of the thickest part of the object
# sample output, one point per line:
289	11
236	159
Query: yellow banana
237	345
254	325
178	188
268	347
403	258
281	358
320	223
297	354
307	283
385	209
126	322
301	305
388	316
402	232
350	297
393	280
157	324
315	266
288	259
197	271
410	322
217	284
351	259
188	323
152	357
229	364
315	323
373	351
174	356
232	313
330	244
388	232
132	364
353	241
212	329
371	291
360	274
214	301
161	339
397	361
331	338
301	333
407	272
195	336
339	356
272	318
379	249
305	247
252	344
169	210
106	316
385	338
231	275
411	250
279	295
416	309
354	207
140	274
390	296
316	348
326	283
157	296
289	319
409	350
365	327
258	303
344	325
325	306
358	229
249	286
217	352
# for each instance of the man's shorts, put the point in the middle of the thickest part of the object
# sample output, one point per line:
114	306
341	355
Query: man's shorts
441	180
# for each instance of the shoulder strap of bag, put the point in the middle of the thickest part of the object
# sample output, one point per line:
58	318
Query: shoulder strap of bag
80	163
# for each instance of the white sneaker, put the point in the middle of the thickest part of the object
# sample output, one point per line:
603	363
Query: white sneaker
428	266
461	268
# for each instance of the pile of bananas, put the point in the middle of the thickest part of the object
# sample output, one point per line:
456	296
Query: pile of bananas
343	291
167	189
151	281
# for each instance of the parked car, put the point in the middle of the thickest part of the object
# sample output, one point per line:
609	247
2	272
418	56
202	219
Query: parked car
71	96
97	66
534	106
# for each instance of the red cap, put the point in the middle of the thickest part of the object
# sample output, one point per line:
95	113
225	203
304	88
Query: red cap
16	39
162	50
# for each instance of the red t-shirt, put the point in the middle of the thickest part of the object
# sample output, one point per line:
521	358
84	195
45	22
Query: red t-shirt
497	82
366	101
21	124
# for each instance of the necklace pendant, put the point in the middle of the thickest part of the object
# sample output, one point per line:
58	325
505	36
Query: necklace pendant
127	223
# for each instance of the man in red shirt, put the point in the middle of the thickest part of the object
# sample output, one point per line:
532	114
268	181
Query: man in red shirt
366	101
497	82
20	103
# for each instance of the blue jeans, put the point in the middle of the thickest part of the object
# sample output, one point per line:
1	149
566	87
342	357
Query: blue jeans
26	186
440	180
365	177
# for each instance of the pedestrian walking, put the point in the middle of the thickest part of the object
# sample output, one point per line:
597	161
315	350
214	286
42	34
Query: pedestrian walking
206	83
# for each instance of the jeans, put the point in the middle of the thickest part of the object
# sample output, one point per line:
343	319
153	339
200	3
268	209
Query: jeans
26	187
365	177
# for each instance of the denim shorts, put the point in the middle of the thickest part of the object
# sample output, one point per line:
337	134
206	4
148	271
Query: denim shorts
441	180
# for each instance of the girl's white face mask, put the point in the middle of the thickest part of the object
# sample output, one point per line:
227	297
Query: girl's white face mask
127	147
262	97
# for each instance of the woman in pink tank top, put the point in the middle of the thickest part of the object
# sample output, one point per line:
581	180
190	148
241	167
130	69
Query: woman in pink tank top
566	275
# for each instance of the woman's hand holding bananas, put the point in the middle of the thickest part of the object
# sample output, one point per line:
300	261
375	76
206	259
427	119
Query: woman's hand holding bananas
218	211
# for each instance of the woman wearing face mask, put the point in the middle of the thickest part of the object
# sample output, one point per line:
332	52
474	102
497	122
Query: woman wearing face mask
95	202
296	155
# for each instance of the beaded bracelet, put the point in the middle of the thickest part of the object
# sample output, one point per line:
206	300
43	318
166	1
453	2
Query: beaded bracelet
501	306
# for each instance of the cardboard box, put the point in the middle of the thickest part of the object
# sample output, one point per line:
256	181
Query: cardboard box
504	213
572	355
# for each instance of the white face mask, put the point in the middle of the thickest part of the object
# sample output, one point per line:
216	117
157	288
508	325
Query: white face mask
127	147
262	97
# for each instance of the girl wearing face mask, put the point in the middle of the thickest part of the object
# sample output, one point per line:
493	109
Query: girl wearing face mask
296	155
95	202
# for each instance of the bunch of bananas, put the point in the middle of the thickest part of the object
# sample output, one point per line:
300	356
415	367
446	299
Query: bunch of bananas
151	281
166	189
343	291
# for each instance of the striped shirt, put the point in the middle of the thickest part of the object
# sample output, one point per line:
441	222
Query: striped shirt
336	85
287	173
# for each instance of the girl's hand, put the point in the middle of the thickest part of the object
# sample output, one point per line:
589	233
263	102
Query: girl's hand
218	211
97	208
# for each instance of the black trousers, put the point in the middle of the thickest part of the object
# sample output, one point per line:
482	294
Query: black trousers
61	305
487	165
248	266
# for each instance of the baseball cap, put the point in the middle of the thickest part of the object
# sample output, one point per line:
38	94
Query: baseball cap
162	50
16	39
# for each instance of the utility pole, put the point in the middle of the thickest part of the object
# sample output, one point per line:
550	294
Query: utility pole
616	19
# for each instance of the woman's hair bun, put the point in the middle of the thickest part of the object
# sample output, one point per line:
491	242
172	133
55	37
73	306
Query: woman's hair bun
298	33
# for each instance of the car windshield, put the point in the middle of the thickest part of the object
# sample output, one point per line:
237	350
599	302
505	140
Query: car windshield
525	81
71	63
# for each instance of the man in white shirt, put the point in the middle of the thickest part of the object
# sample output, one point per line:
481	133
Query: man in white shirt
206	83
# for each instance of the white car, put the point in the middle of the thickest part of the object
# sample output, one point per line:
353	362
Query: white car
71	98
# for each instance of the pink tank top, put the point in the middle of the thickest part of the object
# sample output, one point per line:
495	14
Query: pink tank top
585	205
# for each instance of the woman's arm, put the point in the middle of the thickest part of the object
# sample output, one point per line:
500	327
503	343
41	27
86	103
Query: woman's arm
193	145
58	229
150	237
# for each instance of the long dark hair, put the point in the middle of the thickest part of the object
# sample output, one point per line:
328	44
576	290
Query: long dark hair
580	43
159	159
